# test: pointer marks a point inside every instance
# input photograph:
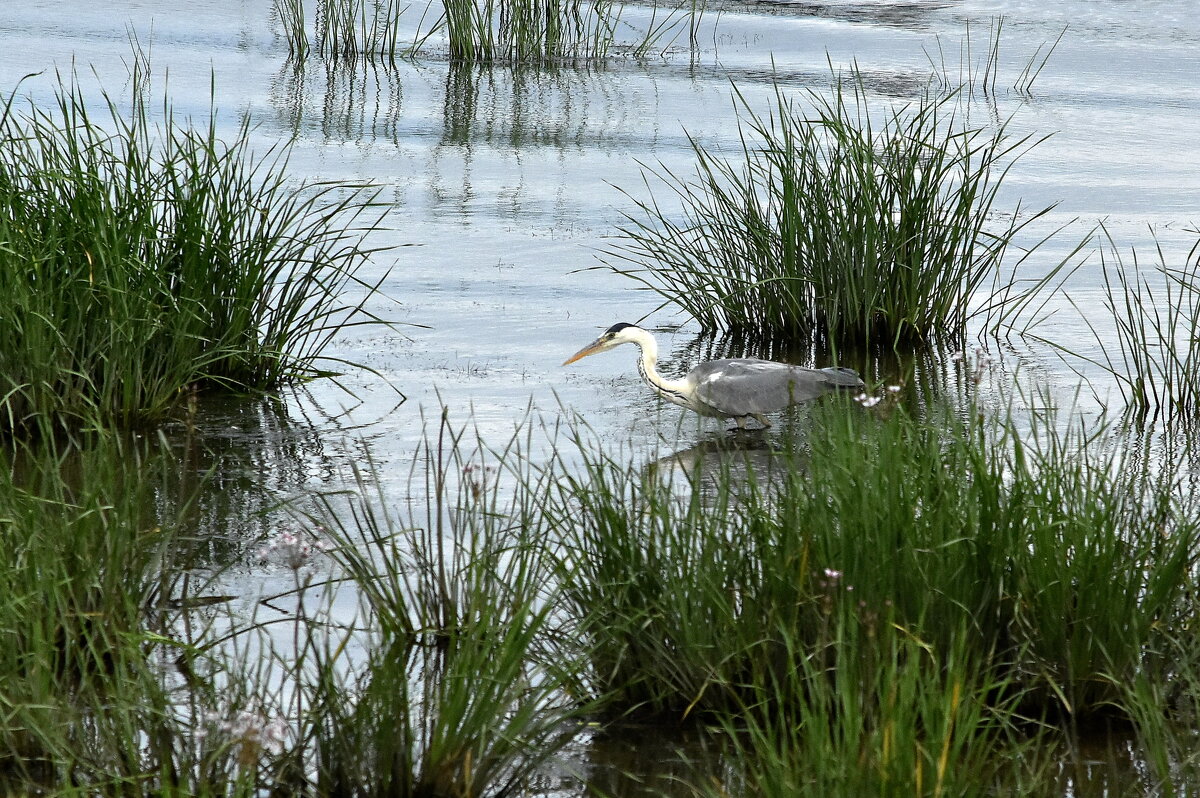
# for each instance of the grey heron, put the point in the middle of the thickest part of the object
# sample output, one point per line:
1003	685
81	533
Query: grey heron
737	388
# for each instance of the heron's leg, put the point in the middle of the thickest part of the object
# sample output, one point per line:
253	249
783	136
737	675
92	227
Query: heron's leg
762	420
741	421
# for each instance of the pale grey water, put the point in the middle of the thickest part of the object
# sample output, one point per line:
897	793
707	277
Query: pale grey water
503	187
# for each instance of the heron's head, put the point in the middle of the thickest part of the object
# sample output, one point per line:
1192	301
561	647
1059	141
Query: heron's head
615	335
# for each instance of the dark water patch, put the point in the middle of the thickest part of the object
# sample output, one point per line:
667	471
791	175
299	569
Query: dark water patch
910	15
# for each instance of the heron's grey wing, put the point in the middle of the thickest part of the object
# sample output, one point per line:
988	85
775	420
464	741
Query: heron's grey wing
744	386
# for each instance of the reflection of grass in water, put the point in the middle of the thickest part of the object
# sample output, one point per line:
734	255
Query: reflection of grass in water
903	614
143	263
839	220
120	679
87	576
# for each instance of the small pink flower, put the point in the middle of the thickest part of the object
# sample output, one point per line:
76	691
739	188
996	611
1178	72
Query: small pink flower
294	552
249	733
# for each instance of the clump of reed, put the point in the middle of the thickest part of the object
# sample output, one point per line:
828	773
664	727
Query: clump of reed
529	30
482	31
959	579
970	74
844	218
144	262
914	608
463	693
344	29
1155	312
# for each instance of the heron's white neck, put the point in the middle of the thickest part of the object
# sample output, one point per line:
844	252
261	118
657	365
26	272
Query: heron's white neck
677	391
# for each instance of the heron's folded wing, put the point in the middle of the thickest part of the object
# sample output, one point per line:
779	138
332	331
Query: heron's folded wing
743	386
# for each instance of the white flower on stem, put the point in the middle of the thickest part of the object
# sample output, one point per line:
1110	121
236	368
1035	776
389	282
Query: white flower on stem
866	400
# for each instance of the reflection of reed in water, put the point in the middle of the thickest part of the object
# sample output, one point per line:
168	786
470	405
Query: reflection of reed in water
913	15
339	100
242	461
532	105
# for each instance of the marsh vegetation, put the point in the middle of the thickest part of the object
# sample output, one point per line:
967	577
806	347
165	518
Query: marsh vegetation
929	589
1033	589
481	31
144	263
841	221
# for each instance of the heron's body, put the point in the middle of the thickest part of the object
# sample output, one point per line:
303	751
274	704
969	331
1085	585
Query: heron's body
737	388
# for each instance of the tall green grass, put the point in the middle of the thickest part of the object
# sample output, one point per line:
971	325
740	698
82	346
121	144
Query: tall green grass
525	30
1047	565
463	691
844	218
1155	316
882	714
144	262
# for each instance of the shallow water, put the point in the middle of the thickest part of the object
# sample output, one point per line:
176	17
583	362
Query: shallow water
505	184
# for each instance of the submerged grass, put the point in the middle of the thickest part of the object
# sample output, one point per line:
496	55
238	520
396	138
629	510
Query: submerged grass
463	691
842	219
144	262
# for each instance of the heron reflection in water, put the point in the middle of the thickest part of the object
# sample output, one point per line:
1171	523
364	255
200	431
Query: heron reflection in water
738	388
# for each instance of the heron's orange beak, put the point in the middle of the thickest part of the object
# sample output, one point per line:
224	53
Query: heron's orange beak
590	349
